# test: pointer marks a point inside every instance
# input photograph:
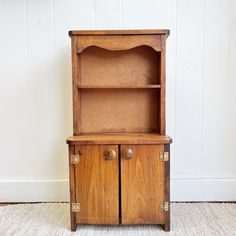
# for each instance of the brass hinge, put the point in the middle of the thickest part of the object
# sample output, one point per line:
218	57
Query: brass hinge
164	206
74	159
75	207
164	156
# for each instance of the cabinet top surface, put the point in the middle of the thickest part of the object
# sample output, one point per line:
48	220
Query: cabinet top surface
127	138
120	32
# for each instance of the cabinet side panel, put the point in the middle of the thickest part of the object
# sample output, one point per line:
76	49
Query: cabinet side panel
72	188
167	189
75	82
142	185
163	86
97	185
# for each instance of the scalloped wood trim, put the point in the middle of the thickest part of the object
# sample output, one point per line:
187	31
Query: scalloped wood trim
116	43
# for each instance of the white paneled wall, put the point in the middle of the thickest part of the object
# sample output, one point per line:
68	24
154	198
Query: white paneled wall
35	91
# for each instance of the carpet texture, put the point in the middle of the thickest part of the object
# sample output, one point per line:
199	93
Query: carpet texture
187	219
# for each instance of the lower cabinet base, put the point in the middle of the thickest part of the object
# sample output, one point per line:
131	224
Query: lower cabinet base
120	183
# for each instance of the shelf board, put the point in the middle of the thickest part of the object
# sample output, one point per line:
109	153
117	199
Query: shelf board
148	86
119	138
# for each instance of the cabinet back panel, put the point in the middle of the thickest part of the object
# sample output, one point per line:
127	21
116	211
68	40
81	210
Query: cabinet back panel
137	66
119	110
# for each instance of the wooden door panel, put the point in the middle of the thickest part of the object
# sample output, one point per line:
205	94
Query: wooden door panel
97	185
142	184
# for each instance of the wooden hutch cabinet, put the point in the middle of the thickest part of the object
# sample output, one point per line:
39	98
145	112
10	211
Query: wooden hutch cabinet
119	157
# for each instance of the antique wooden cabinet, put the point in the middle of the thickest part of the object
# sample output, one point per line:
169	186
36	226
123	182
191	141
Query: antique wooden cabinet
119	158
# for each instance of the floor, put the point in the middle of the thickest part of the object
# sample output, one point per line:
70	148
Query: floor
187	219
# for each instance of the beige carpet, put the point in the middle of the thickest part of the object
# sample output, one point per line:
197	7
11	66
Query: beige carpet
191	219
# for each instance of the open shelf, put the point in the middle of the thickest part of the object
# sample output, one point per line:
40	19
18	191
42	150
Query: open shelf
148	86
134	68
109	111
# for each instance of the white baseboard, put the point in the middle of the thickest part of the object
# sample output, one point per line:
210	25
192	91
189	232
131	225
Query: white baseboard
58	190
203	190
34	190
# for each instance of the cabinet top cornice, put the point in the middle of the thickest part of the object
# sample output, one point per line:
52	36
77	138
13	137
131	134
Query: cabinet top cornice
120	32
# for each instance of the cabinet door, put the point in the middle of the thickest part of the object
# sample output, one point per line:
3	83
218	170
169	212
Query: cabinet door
142	184
96	184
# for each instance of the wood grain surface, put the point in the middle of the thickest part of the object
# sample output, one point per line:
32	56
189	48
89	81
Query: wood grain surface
97	185
142	185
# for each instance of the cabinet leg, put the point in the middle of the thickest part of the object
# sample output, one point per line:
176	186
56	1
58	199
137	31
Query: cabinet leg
73	226
166	226
167	190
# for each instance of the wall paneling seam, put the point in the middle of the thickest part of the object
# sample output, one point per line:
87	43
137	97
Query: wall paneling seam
27	57
173	161
94	20
53	27
203	86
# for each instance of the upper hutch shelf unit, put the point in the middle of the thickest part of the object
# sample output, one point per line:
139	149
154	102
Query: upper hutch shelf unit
119	81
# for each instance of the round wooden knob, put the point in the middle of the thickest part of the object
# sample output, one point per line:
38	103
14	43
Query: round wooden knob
110	154
128	154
